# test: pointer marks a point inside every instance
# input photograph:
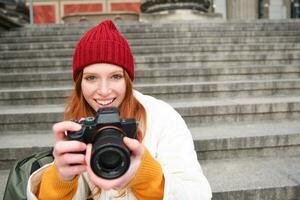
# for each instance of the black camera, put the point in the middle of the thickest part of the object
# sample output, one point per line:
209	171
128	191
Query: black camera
110	157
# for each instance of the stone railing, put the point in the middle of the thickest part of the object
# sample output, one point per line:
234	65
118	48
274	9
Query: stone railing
151	6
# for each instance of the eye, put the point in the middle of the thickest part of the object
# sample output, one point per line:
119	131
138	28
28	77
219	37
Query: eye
89	78
117	76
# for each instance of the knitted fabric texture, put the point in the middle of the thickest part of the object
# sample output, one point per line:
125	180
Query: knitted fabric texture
103	44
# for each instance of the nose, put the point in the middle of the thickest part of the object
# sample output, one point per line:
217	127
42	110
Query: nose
104	88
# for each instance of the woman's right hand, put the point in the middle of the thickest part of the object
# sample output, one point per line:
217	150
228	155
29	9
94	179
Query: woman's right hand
68	156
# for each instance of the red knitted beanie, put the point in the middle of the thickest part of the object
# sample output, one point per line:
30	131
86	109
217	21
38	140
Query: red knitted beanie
103	44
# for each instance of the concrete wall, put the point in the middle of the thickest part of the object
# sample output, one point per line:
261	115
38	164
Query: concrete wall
277	9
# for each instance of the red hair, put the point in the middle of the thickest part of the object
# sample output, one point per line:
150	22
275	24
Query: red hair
77	107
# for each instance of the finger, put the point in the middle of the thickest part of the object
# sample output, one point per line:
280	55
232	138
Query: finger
134	145
60	128
71	159
88	154
81	119
62	147
69	172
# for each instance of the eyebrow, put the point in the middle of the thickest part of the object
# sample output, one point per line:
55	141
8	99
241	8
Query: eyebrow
112	72
119	70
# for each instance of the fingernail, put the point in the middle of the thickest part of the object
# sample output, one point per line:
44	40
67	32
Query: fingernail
78	126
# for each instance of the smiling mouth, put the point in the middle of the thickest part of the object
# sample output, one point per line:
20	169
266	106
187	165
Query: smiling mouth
104	102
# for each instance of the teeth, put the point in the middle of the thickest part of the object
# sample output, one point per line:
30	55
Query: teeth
104	103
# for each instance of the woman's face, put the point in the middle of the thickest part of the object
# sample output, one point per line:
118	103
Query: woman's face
103	85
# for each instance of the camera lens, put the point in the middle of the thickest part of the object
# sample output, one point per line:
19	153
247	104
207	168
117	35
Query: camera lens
110	157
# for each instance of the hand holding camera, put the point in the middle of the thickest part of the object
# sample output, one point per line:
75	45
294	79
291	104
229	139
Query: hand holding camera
69	160
110	157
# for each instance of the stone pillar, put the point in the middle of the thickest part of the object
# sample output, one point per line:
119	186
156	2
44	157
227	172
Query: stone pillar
242	9
153	6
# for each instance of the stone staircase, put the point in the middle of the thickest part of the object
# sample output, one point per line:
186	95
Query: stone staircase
237	85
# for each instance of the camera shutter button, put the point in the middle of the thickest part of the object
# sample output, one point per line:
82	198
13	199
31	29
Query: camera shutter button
89	121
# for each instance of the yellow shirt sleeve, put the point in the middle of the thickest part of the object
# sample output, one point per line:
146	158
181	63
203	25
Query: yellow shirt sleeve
148	183
52	187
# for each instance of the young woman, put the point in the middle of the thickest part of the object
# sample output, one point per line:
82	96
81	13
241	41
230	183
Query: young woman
163	162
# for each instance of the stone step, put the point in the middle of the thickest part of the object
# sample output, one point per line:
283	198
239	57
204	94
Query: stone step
247	139
3	178
213	111
140	48
192	34
181	60
261	23
271	178
141	34
224	141
36	45
158	50
273	174
218	57
249	147
258	25
19	145
159	75
194	111
155	41
254	178
25	117
165	91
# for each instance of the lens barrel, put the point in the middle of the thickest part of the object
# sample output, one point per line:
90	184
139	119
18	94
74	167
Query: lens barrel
110	157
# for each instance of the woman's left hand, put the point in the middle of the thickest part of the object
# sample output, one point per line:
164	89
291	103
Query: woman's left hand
137	152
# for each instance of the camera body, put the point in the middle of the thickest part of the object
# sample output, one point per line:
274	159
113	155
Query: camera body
110	157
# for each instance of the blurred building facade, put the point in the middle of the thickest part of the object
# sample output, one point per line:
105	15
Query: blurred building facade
257	9
53	11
